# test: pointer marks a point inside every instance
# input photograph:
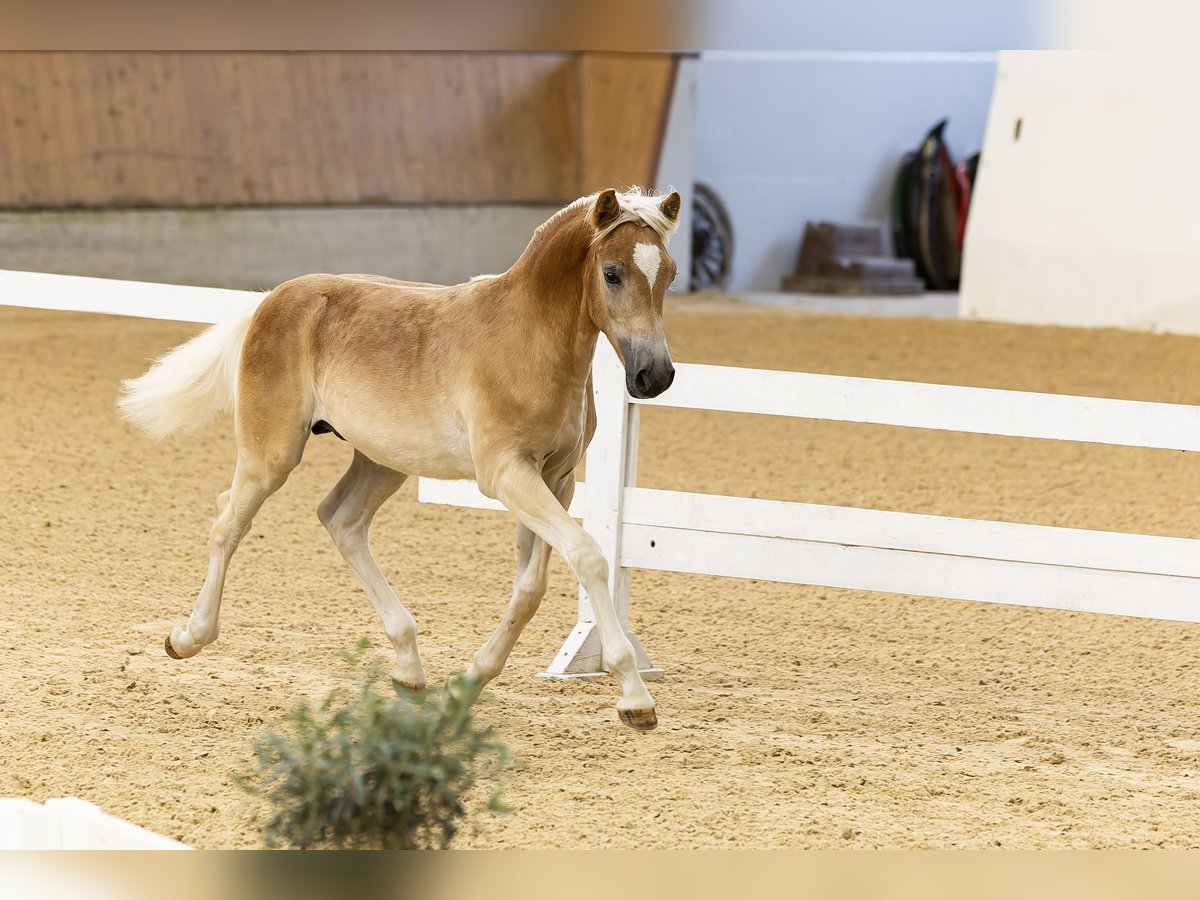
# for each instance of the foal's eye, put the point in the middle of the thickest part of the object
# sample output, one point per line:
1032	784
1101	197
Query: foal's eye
612	277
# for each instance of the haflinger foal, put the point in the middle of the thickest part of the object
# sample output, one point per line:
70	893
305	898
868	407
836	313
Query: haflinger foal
489	380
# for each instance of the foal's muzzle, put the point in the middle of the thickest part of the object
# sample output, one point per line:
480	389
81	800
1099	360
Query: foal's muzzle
648	369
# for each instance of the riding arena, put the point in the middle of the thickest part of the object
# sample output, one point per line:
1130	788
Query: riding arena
785	576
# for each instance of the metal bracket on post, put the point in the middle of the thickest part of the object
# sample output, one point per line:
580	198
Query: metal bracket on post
611	466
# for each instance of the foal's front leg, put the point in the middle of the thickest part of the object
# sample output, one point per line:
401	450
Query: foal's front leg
519	487
529	587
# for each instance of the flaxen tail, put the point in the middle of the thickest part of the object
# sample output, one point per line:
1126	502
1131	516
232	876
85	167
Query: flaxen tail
189	385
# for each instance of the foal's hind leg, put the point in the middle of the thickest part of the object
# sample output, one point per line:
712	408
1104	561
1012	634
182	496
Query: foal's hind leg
256	478
346	512
271	424
529	587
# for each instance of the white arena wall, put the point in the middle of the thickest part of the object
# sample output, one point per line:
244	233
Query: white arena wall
1085	213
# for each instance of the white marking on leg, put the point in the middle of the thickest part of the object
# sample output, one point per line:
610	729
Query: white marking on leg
346	513
648	258
521	489
253	483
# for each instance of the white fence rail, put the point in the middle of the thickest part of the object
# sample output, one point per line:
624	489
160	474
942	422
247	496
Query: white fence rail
863	549
145	299
68	823
967	559
1127	423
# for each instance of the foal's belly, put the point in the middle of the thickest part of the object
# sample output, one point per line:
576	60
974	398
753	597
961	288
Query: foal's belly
433	440
433	447
417	454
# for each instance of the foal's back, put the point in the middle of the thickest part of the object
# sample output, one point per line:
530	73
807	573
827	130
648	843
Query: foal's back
358	320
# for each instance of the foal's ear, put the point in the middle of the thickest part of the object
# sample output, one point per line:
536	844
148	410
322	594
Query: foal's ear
670	205
606	210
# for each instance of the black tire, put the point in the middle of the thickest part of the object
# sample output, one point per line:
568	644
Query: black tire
712	241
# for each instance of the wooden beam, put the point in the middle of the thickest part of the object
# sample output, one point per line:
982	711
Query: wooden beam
237	129
626	99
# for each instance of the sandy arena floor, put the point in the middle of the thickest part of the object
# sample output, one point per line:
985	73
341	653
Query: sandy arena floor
791	716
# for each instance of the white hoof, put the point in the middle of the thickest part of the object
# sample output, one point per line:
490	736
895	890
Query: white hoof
179	645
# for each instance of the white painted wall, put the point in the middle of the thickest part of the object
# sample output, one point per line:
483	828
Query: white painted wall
814	131
1122	25
676	163
887	25
1090	217
785	138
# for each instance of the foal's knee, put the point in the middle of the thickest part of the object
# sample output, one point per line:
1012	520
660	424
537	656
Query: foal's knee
590	565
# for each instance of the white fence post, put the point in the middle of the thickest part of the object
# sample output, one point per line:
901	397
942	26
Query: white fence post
611	467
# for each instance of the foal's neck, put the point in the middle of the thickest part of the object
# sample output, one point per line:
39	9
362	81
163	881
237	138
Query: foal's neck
548	279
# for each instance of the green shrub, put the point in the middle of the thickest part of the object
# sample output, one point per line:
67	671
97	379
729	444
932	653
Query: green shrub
364	770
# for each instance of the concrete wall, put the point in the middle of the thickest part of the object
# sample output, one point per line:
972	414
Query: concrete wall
258	248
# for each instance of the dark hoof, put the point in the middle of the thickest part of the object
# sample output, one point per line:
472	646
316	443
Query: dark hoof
171	650
639	719
406	687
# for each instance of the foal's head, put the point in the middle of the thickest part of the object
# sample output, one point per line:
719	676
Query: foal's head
626	276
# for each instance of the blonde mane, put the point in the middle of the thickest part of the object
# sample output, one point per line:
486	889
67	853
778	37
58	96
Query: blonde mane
637	205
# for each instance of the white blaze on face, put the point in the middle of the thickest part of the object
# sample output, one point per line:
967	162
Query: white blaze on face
648	259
